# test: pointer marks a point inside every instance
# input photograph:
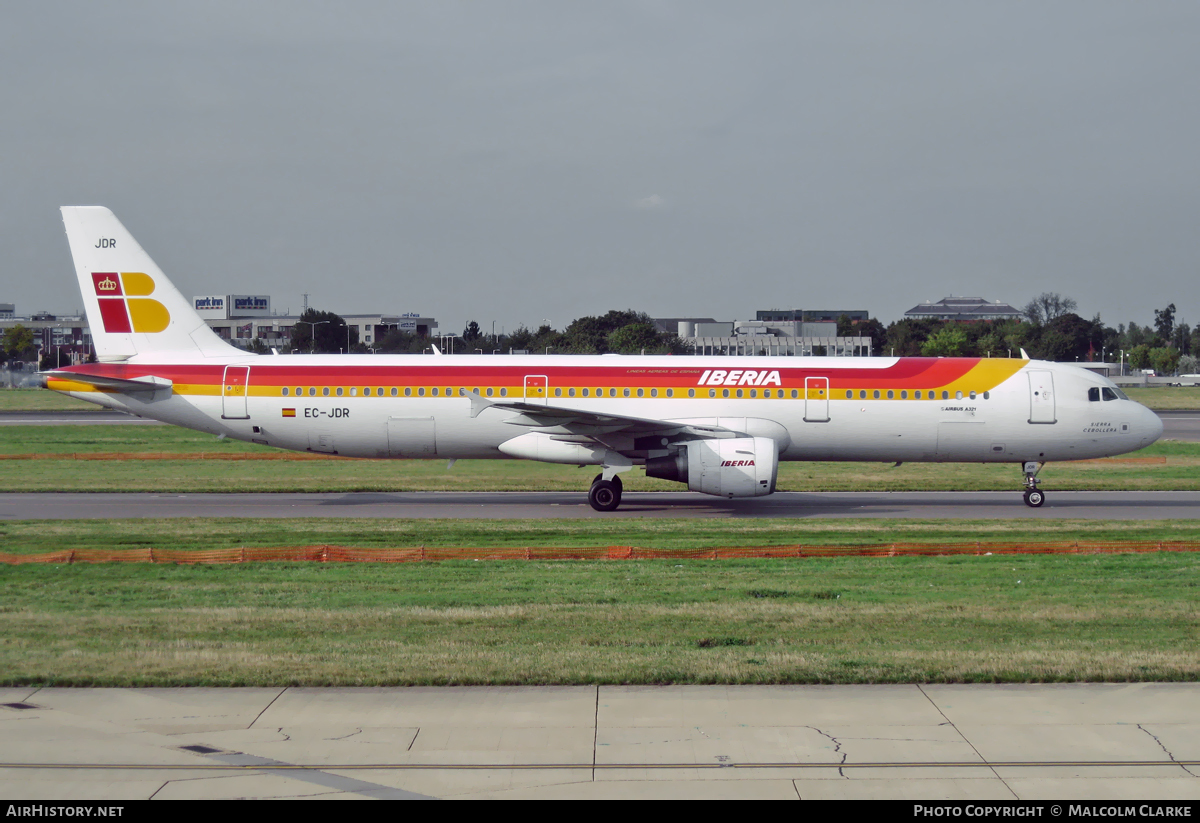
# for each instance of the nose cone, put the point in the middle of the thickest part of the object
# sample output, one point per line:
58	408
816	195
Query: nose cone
1150	426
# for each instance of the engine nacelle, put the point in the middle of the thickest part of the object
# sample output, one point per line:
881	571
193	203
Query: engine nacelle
738	467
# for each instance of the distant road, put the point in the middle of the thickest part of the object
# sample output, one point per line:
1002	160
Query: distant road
1177	425
573	505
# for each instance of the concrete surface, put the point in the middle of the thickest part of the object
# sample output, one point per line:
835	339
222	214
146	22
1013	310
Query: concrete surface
1119	505
1076	741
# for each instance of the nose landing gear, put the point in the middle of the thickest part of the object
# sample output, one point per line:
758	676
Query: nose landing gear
1034	497
605	495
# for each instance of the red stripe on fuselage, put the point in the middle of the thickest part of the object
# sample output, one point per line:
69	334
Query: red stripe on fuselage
905	373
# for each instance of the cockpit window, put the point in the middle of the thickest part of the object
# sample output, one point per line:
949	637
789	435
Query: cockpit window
1094	394
1109	394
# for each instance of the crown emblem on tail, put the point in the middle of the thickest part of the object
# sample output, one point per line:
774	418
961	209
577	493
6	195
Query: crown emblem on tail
107	284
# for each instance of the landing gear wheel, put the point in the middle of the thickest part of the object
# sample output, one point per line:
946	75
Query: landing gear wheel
605	495
1034	498
616	481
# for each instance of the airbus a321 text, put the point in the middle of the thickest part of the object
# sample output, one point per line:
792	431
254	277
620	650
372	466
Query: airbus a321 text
721	425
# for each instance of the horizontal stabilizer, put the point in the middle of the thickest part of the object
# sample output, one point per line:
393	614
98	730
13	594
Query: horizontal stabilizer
138	385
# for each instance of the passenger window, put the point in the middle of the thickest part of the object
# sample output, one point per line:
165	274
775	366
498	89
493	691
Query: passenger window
972	395
875	394
394	392
354	391
407	392
285	391
489	391
434	391
325	392
503	392
1109	394
795	394
557	392
739	391
585	392
958	395
625	392
712	392
862	395
903	395
987	395
754	392
339	391
691	392
724	392
570	392
891	394
641	393
849	394
312	391
612	392
654	392
945	395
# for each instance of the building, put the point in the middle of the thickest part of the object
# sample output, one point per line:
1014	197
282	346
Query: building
237	318
242	318
772	333
66	337
963	310
812	315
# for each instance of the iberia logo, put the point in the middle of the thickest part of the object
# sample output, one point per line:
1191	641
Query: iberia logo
125	305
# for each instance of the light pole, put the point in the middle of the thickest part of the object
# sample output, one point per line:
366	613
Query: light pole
312	346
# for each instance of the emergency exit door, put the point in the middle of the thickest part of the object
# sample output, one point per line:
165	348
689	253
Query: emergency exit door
1041	397
816	399
234	388
536	388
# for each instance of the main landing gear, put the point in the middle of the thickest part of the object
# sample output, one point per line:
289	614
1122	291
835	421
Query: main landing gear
605	495
1034	497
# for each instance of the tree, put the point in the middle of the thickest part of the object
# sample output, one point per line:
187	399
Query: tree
949	341
635	338
1188	364
1047	306
1164	322
1139	356
472	332
18	343
1164	360
322	331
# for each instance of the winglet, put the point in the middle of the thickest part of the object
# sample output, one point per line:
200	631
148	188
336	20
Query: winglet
1024	355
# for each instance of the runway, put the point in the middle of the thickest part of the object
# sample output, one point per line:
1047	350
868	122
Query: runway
1118	505
1027	742
74	418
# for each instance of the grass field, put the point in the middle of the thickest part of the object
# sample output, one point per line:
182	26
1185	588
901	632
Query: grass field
839	620
1167	397
1179	469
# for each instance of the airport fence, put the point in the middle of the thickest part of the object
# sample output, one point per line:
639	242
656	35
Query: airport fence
348	554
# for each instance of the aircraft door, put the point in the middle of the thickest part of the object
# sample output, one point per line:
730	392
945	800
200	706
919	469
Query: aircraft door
816	399
536	389
1041	397
234	389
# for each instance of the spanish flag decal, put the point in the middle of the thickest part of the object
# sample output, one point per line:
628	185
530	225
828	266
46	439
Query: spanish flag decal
289	412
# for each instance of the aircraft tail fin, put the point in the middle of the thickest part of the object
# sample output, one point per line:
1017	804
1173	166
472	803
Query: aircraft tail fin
132	308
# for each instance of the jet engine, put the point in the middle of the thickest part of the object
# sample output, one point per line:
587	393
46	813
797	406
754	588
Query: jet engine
737	467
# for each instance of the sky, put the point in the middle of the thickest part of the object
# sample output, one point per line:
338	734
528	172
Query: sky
523	162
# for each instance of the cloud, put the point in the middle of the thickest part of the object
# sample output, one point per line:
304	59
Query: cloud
654	201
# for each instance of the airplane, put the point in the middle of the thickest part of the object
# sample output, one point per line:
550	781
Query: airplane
721	425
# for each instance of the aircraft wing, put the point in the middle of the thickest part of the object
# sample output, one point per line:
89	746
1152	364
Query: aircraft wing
560	420
136	385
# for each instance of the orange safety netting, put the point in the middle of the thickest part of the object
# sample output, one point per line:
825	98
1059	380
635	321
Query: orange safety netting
347	554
